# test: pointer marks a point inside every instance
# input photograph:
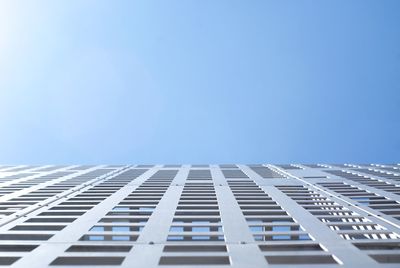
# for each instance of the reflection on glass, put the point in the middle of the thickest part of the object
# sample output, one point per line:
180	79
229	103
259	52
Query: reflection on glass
120	208
120	238
176	229
175	238
97	229
95	237
120	229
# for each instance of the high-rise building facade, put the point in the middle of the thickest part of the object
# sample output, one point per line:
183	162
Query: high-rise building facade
302	215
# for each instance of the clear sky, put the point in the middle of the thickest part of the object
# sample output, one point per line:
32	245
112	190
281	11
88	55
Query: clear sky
199	81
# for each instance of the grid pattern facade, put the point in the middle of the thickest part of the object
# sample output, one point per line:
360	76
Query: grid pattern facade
324	215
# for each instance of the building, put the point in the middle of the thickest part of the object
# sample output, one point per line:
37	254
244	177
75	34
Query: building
319	215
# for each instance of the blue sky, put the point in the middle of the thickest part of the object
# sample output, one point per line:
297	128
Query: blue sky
199	81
